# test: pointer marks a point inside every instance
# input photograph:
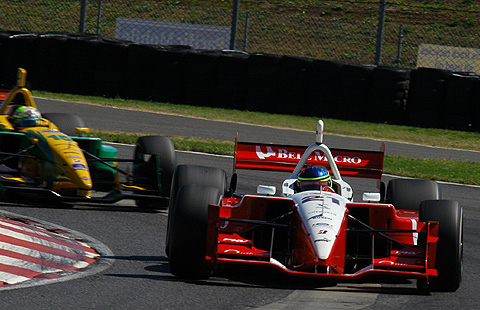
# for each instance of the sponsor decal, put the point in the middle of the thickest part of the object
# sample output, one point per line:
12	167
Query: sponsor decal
73	155
315	217
334	200
320	217
76	160
322	232
386	262
69	151
313	198
407	252
329	212
49	130
322	224
262	155
323	240
234	240
316	156
232	250
79	167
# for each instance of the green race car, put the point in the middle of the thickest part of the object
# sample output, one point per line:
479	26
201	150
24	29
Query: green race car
53	156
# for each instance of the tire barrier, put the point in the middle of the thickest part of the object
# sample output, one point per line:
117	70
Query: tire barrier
49	60
4	36
324	88
231	86
78	74
200	77
139	79
354	94
90	65
168	73
262	82
389	93
110	68
426	101
294	76
20	52
462	110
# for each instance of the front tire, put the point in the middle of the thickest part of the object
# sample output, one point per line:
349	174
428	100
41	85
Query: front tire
154	165
449	257
193	174
188	233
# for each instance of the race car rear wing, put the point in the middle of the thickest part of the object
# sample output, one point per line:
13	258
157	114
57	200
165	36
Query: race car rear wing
274	157
9	97
3	94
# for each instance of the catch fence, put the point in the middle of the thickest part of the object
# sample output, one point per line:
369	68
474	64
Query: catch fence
364	32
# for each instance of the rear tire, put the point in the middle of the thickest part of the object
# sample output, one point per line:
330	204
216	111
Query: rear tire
154	162
188	233
449	257
407	194
65	122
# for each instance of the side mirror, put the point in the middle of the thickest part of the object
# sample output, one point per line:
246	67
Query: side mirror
34	140
82	131
371	197
266	190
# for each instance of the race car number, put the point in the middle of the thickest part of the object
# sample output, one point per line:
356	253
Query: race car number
60	137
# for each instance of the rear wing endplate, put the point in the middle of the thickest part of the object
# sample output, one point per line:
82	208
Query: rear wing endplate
274	157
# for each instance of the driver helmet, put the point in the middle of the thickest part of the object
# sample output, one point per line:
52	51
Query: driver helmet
26	116
314	178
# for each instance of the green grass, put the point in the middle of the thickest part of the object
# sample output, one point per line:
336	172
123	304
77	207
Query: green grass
384	132
434	169
211	146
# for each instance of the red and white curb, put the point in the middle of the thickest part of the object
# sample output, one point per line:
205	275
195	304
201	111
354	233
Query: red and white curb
29	251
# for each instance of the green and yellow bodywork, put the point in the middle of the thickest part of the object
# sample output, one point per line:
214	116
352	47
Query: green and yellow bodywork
44	160
43	156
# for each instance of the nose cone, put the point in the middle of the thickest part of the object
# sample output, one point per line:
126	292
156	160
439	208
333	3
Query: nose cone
83	178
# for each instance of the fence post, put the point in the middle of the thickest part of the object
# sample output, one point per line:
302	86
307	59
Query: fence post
233	31
245	35
99	15
400	40
381	26
83	16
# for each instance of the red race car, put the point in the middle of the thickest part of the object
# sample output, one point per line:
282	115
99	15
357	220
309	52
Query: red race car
314	229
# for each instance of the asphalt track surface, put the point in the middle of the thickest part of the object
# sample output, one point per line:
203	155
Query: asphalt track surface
138	277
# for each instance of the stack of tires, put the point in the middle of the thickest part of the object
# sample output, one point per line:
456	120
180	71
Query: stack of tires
389	93
324	88
49	61
262	82
231	84
168	63
354	94
4	36
294	78
78	74
140	71
200	77
18	52
426	100
462	95
110	73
